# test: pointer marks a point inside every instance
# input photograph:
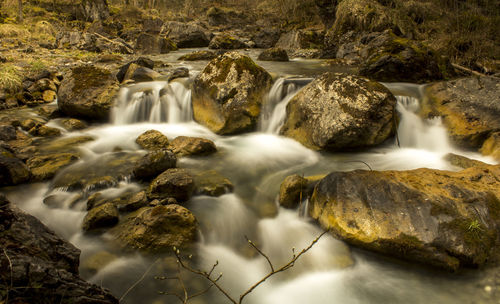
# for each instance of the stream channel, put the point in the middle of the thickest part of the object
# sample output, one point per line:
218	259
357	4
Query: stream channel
256	163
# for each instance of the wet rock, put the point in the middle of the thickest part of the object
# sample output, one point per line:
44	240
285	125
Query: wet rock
62	200
7	132
266	38
153	44
156	229
96	262
49	95
338	111
178	73
469	108
87	92
211	183
292	191
199	55
44	131
186	35
491	146
141	74
41	264
64	144
226	42
176	183
190	146
49	111
439	218
134	202
141	61
103	216
152	140
390	58
72	124
228	94
273	54
463	162
44	167
154	163
12	170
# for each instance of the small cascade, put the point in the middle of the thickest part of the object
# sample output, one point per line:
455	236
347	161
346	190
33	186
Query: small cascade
274	112
413	132
153	102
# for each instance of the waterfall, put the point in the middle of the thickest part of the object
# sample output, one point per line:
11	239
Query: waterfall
274	110
414	132
154	102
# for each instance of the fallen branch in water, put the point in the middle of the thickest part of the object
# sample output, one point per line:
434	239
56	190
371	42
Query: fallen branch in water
215	281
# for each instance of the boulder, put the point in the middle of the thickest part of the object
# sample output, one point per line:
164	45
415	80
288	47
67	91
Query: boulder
186	35
103	216
42	265
226	42
292	191
44	131
87	92
152	26
176	183
491	146
156	229
141	74
190	146
152	140
199	55
211	183
338	111
469	108
153	44
44	167
141	61
181	72
387	57
273	54
12	170
266	38
439	218
228	94
134	202
73	124
7	133
154	163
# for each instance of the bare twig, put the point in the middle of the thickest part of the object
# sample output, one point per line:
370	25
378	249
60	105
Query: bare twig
359	161
288	265
138	281
11	275
260	252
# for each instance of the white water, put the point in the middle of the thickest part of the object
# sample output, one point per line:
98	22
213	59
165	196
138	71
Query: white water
256	163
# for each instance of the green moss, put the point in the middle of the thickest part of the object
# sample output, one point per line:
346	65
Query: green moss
87	77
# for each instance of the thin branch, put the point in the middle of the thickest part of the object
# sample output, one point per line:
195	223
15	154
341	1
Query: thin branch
464	69
11	275
260	252
138	281
359	161
290	264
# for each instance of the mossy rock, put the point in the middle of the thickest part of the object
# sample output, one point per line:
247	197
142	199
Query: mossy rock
443	219
87	92
228	94
199	55
44	167
226	42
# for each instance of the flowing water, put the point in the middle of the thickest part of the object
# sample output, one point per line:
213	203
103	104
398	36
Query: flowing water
256	163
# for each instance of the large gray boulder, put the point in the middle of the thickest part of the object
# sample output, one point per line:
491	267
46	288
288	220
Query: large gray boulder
228	94
42	265
87	92
186	35
338	111
439	218
469	107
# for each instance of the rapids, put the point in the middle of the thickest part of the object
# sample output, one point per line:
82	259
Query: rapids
256	163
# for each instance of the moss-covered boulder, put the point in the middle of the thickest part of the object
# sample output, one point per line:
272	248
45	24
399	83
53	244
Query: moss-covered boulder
273	54
439	218
225	41
338	111
152	140
469	108
211	183
72	124
228	94
87	92
192	146
153	44
44	167
176	183
186	35
156	229
199	55
103	216
388	57
154	163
